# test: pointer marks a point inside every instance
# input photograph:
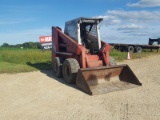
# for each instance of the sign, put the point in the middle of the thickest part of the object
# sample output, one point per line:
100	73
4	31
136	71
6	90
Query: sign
44	39
46	42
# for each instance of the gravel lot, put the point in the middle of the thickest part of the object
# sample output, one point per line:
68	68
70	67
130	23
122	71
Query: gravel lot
40	96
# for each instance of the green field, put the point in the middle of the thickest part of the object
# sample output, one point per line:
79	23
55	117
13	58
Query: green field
14	60
120	56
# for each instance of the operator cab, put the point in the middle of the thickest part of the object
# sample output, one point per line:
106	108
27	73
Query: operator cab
85	31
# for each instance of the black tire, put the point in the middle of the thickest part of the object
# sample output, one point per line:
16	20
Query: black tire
112	61
138	49
130	49
57	67
70	69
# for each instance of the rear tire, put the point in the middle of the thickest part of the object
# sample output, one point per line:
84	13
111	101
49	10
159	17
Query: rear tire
130	49
70	69
138	49
57	67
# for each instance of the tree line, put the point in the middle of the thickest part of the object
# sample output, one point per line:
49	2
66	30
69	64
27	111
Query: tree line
32	45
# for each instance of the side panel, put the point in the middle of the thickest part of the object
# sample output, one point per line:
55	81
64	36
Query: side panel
71	45
72	48
54	42
105	51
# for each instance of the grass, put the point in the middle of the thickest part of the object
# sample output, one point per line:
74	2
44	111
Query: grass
120	56
14	60
6	67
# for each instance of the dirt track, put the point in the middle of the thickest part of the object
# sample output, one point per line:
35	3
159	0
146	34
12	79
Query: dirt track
37	96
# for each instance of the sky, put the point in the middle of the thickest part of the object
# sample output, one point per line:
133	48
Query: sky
124	21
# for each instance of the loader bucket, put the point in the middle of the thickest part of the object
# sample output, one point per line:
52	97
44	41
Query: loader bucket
101	80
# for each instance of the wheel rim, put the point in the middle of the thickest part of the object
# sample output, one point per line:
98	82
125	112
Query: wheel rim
130	49
139	49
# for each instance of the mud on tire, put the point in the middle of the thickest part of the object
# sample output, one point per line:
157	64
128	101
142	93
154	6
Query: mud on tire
70	69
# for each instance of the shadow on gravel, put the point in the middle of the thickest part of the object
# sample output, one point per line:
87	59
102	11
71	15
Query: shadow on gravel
49	73
41	65
46	68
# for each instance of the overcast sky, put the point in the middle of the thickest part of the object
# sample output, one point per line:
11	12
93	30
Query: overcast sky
125	21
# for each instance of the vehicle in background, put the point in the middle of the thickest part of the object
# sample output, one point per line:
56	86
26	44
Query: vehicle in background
137	48
152	41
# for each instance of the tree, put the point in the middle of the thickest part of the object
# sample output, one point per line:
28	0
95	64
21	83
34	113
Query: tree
32	45
5	45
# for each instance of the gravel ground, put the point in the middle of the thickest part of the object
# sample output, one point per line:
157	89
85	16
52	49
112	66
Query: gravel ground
40	96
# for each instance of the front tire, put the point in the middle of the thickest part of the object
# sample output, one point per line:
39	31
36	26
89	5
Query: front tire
70	69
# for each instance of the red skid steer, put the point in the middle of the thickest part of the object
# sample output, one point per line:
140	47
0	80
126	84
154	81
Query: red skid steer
81	57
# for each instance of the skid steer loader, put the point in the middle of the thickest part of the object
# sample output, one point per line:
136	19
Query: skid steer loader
81	57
